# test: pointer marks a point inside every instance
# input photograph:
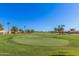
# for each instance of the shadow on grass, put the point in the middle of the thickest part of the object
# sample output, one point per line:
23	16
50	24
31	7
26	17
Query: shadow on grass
61	53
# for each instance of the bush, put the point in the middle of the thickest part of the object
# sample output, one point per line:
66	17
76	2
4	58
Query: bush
29	31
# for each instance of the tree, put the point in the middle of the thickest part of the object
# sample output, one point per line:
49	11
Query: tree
8	23
60	29
21	31
72	30
55	29
1	27
29	31
14	29
24	28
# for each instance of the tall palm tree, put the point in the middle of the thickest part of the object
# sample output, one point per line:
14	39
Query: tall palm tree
60	29
8	23
24	28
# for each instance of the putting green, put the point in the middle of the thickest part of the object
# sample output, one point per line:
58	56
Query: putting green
40	41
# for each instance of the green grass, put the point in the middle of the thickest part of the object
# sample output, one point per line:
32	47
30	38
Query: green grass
40	41
39	44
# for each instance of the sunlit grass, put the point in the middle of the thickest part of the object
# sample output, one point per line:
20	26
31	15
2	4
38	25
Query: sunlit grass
10	47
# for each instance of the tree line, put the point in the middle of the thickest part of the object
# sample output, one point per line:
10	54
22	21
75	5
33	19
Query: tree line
15	29
59	29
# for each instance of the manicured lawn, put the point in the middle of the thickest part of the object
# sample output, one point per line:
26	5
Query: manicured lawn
34	44
40	41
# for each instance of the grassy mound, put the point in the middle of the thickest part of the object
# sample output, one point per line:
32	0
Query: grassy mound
40	41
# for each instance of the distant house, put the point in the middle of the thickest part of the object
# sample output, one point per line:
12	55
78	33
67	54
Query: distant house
5	32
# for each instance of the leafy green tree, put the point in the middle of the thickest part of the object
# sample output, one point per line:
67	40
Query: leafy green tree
21	31
72	29
14	29
1	27
29	31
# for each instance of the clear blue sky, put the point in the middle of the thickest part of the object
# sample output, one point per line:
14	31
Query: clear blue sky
41	17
